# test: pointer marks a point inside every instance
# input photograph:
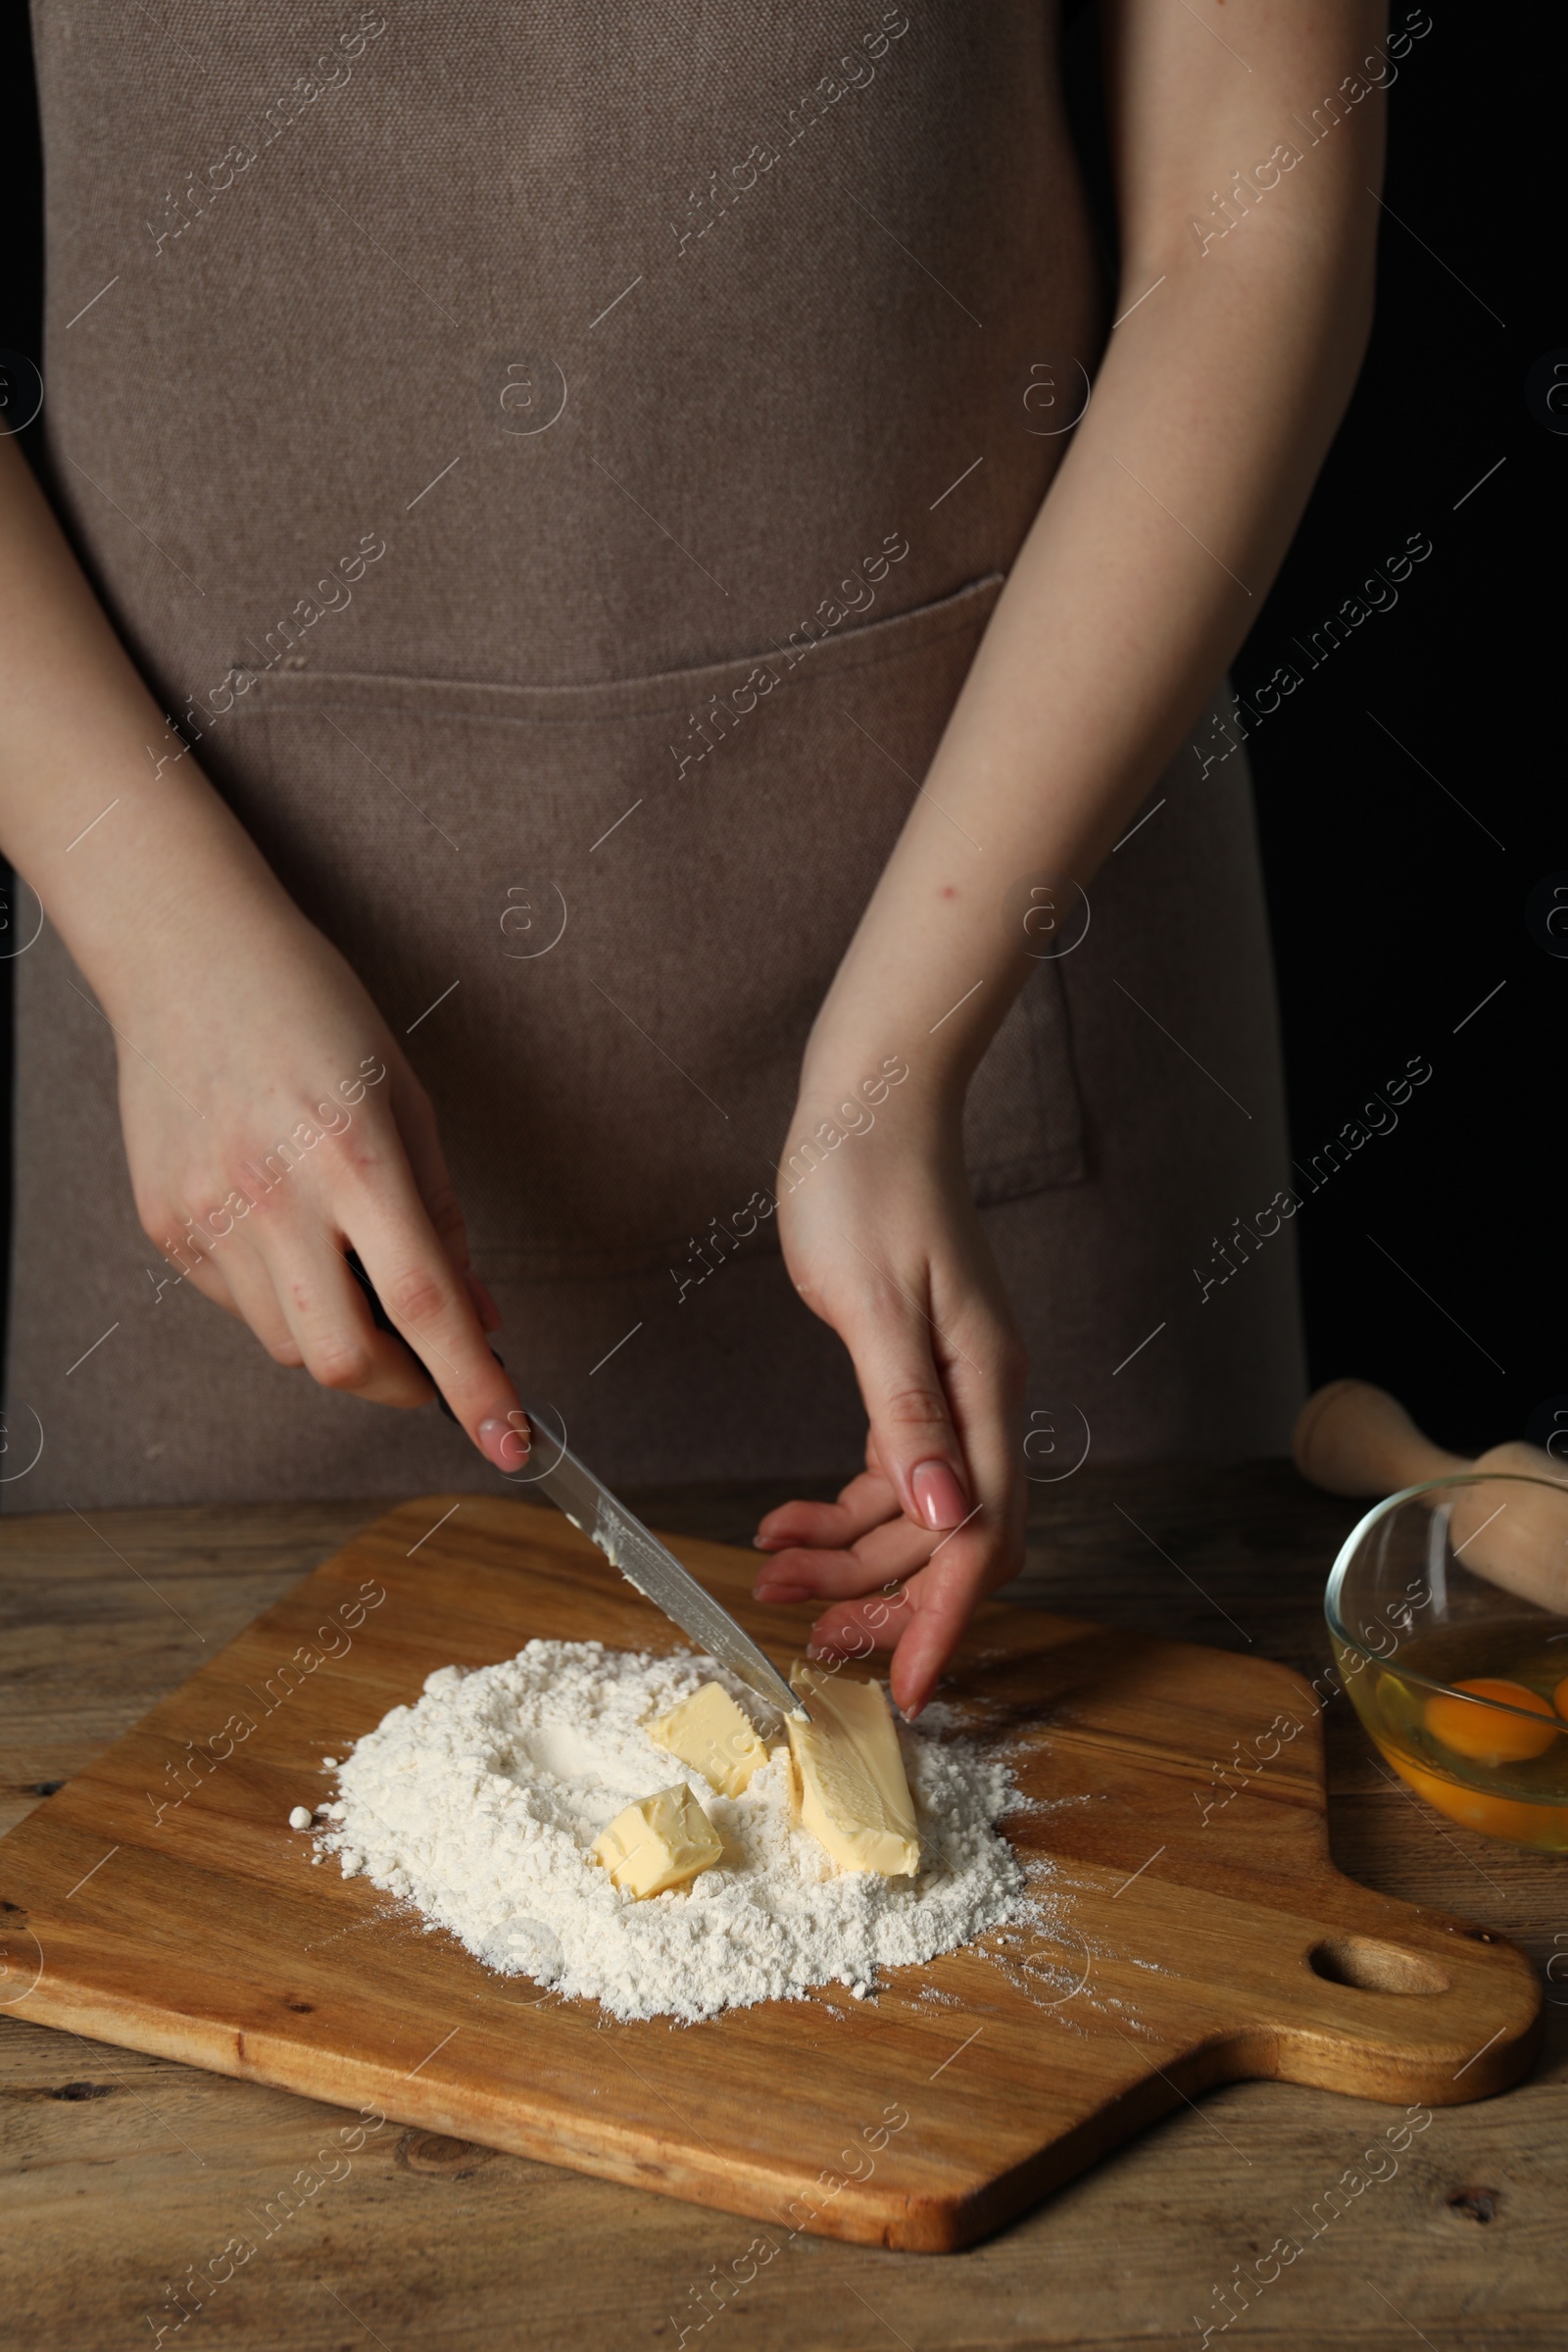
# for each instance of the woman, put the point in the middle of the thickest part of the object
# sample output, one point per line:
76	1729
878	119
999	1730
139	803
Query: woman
574	732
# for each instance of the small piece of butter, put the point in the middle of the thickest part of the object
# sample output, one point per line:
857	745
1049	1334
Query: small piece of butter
710	1733
854	1795
662	1840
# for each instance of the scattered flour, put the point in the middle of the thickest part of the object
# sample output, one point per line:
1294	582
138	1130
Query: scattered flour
478	1804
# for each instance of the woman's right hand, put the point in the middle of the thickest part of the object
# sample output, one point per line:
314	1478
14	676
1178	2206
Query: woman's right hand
272	1123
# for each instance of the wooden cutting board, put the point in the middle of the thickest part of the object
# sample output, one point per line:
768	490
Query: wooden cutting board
1200	1932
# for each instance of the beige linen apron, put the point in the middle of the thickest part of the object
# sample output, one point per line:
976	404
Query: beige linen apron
555	467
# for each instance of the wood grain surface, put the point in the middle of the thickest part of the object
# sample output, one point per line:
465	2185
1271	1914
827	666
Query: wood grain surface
131	2169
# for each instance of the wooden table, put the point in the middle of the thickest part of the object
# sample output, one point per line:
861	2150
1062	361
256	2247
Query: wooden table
120	2171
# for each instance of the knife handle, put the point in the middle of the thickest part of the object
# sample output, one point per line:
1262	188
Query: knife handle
383	1322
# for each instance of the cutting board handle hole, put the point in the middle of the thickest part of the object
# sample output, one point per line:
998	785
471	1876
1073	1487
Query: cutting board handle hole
1369	1965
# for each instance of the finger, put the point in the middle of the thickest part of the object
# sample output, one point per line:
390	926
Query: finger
234	1282
889	1340
856	1627
936	1603
939	1611
431	1309
979	1556
250	1293
885	1556
323	1327
484	1304
421	1140
324	1313
202	1272
922	1623
985	1375
863	1504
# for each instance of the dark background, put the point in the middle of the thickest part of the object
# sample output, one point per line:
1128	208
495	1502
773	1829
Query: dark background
1395	912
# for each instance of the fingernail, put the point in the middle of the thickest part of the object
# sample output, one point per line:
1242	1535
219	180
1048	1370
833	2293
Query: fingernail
911	1702
938	1494
506	1442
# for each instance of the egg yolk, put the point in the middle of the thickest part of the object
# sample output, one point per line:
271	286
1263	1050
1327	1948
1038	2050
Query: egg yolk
1559	1697
1485	1733
1508	1817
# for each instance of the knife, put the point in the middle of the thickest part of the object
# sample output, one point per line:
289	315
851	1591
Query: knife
647	1564
654	1569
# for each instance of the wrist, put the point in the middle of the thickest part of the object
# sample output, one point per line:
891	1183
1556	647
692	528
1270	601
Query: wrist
851	1084
912	1066
191	891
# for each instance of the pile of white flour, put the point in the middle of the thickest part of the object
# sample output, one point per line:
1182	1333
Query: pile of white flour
479	1805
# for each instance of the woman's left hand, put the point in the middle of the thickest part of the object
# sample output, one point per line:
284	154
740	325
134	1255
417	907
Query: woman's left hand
882	1240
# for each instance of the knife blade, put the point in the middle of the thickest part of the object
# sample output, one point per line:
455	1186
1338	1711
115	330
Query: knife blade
653	1568
646	1563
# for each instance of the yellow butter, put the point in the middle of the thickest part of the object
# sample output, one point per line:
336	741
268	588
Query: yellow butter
855	1796
661	1841
710	1733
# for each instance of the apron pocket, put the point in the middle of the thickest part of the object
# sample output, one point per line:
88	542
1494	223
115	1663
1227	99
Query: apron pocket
1023	1124
604	916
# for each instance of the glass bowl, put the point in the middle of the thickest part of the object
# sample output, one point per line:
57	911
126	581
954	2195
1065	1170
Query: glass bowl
1447	1608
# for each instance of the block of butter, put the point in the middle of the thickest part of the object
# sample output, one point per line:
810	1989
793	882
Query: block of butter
854	1796
661	1841
710	1733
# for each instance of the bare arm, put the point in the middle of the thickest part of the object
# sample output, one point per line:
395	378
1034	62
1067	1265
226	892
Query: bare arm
75	720
235	1021
1216	401
1209	421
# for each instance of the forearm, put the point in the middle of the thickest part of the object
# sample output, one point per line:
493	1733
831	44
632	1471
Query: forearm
1209	418
118	853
